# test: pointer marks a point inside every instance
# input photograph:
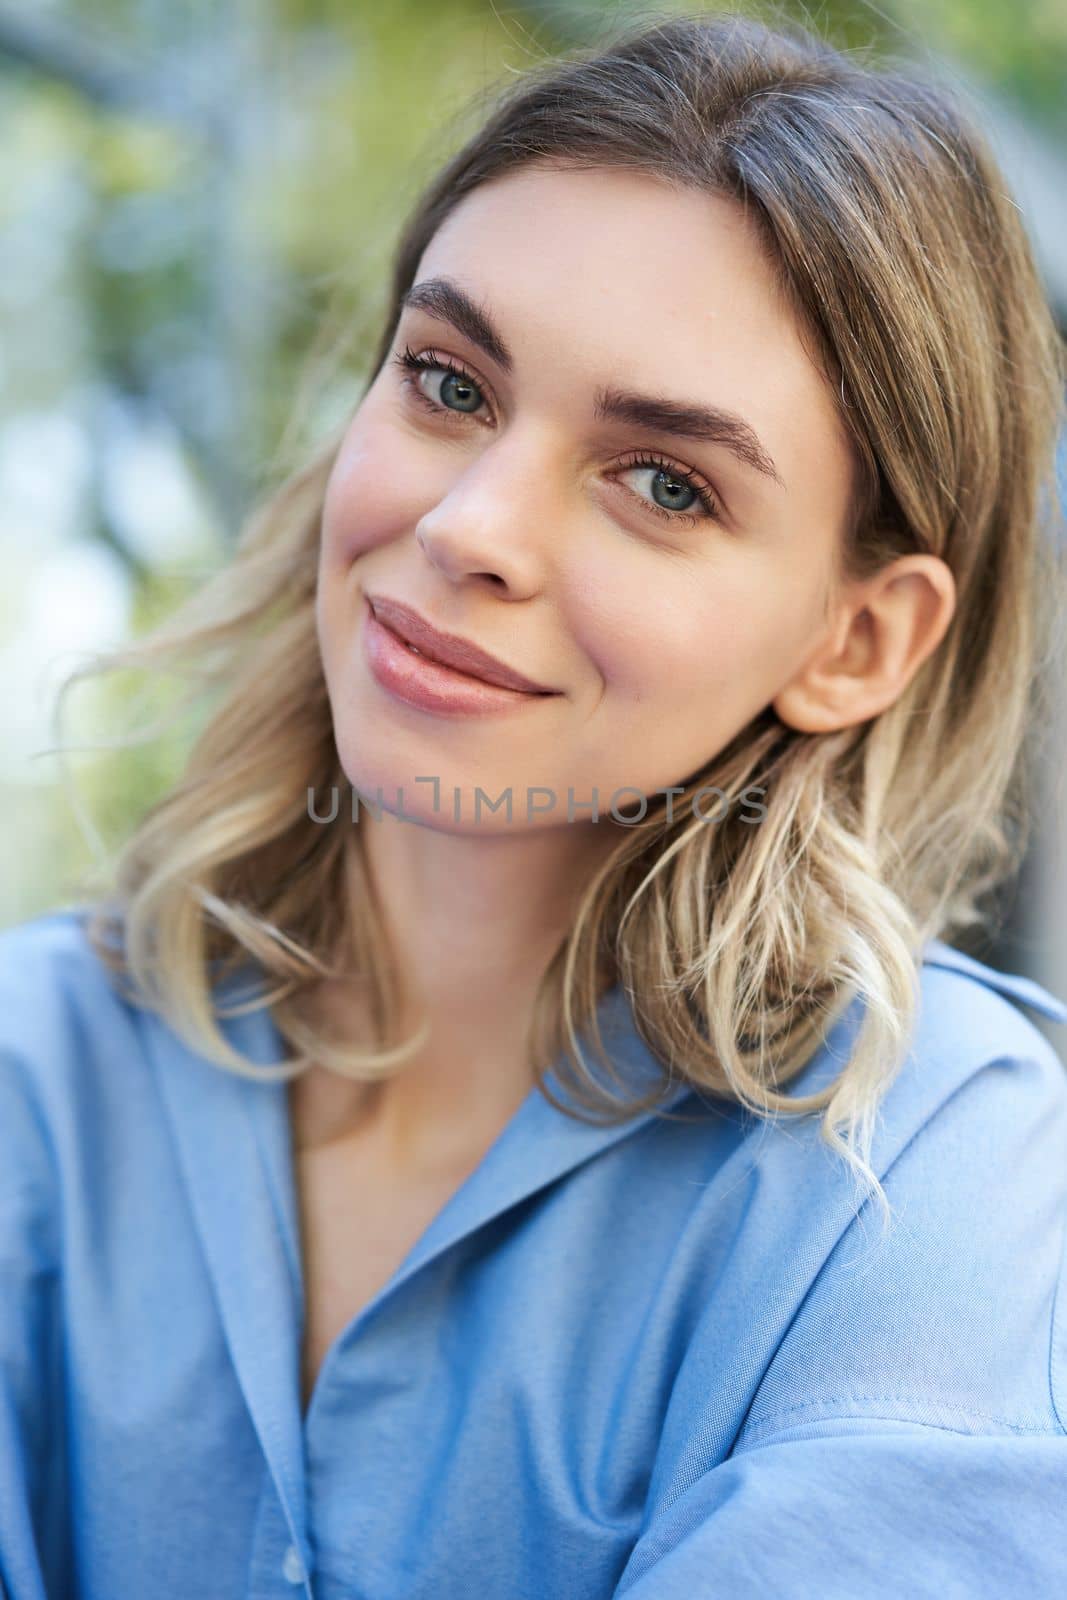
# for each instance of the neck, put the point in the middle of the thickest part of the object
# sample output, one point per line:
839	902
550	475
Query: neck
474	924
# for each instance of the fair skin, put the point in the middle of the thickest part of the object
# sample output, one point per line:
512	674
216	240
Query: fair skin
517	521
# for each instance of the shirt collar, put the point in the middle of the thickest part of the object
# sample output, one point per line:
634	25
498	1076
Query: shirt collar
234	1146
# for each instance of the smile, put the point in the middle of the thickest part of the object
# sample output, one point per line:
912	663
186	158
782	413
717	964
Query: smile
419	680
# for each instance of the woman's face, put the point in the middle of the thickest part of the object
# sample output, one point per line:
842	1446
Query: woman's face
633	494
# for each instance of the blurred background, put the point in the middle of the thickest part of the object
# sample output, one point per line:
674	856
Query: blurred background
197	205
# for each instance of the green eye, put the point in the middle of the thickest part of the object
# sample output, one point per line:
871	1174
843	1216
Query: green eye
673	491
456	388
458	391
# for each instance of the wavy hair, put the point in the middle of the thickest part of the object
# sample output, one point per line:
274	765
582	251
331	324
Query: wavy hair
904	258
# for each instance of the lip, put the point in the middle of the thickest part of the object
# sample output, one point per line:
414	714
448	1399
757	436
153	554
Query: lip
426	685
448	649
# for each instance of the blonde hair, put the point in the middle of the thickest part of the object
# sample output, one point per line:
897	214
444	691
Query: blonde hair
913	282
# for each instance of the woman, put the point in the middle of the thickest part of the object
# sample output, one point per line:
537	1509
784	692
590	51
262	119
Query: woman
411	1176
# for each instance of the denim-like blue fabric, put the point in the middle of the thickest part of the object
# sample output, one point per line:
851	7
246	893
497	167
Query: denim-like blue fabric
667	1360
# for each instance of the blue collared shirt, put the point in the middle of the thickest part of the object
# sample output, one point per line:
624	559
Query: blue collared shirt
664	1360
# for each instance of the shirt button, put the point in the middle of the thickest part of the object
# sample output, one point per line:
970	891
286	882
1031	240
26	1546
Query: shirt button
292	1566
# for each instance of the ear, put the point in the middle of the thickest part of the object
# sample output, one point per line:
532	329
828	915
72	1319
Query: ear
880	632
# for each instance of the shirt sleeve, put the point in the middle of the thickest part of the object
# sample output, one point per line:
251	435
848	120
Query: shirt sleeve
909	1433
33	1515
855	1509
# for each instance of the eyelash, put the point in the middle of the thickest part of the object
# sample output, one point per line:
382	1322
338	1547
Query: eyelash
412	364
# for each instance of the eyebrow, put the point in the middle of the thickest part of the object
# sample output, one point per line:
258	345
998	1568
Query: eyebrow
445	300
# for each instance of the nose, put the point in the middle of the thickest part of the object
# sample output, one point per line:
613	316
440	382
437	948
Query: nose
492	522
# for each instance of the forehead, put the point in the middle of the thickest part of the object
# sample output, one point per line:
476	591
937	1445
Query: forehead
620	276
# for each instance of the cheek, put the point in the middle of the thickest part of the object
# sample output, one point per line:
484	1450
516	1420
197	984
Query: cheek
728	628
375	493
631	612
657	628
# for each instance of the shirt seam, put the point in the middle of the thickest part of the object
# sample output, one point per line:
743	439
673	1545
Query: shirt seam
817	1407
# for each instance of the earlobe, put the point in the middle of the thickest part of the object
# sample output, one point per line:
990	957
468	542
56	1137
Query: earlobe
831	689
883	632
812	707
